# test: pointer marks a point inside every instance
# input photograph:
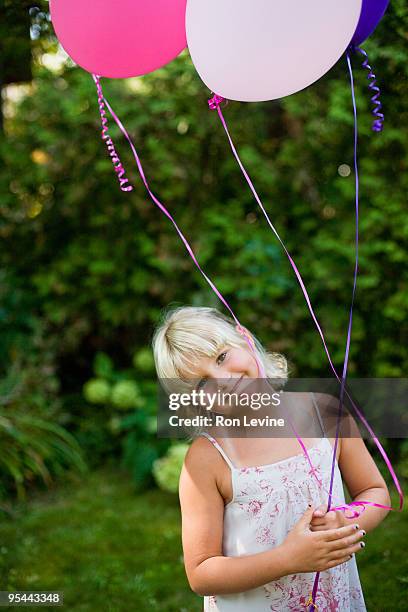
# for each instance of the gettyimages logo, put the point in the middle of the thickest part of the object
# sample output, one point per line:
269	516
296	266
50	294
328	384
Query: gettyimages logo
209	401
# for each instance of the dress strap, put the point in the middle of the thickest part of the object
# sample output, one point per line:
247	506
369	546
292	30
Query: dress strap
219	448
318	414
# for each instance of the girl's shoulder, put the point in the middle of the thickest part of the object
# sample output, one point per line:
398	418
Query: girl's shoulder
204	472
203	452
328	407
204	461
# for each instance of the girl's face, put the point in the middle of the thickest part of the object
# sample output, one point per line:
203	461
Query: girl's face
226	369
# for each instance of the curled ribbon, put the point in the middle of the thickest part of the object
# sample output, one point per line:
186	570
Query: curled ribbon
117	164
378	123
102	102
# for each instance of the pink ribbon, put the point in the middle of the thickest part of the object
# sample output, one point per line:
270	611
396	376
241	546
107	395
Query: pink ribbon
117	164
215	101
102	102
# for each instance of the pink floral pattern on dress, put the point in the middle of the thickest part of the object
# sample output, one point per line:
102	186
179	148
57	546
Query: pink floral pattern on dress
265	535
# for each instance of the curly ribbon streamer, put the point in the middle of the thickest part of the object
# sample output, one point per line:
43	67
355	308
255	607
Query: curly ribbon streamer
117	164
224	301
214	104
102	102
378	122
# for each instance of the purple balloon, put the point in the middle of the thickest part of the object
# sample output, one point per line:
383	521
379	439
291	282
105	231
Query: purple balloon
371	14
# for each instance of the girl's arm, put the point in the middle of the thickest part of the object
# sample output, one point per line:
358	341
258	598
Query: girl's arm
210	572
364	481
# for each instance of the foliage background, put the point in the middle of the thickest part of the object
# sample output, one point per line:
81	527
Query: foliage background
86	270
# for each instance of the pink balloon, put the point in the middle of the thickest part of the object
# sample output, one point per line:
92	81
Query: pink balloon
120	38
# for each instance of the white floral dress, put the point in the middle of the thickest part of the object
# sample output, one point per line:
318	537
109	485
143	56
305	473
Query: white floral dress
267	502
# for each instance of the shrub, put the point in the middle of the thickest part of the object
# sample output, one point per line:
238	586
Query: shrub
33	444
167	470
97	391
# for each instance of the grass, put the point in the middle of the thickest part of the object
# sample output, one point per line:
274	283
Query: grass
110	549
106	547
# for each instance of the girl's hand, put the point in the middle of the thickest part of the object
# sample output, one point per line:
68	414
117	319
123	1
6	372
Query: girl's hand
322	520
307	551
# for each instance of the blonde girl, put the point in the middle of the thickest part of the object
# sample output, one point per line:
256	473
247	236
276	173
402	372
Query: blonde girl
254	523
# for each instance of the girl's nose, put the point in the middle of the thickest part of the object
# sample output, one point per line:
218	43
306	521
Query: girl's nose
219	373
220	378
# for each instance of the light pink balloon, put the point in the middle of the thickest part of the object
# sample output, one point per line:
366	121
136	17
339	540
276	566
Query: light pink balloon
255	50
120	38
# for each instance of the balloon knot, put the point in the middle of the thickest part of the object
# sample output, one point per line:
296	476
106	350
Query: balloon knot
215	101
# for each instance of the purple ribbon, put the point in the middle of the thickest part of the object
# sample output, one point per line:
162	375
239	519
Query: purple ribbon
347	351
378	123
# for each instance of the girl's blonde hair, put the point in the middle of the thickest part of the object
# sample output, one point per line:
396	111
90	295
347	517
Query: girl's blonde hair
188	334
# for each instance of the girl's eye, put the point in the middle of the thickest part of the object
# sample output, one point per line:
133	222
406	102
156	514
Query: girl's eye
221	357
219	360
